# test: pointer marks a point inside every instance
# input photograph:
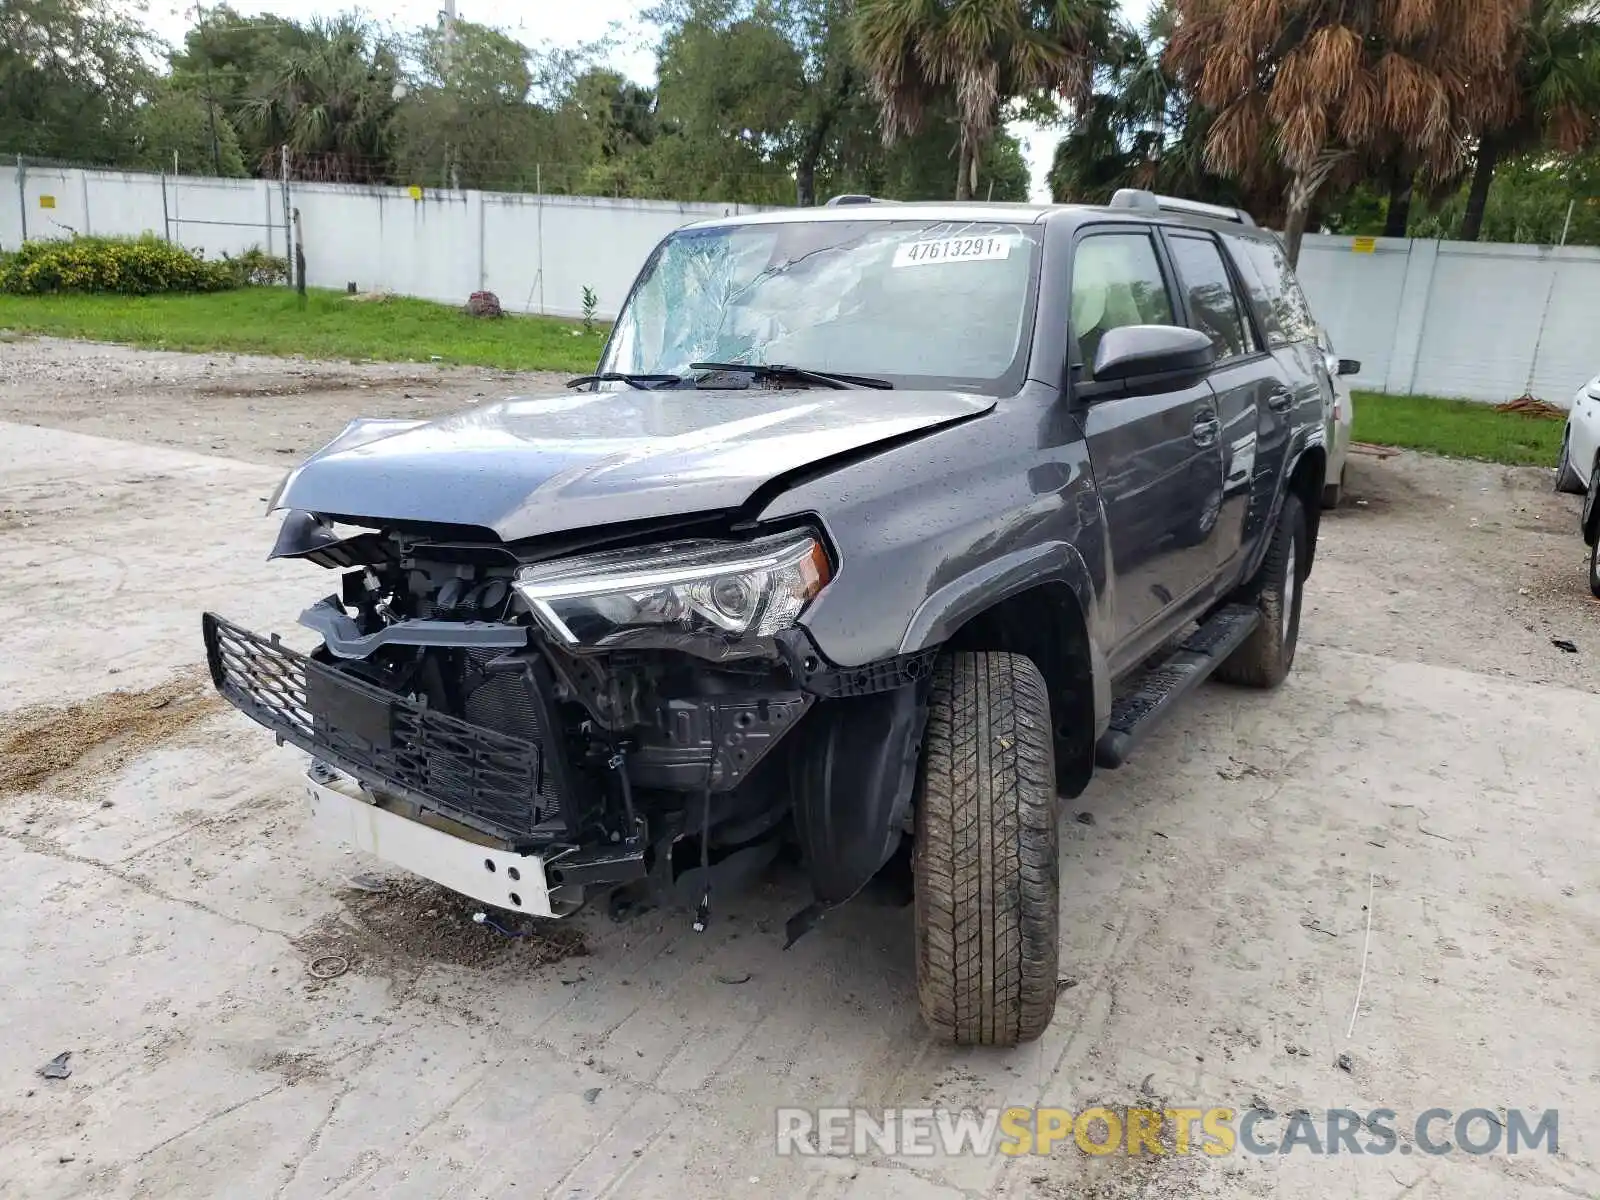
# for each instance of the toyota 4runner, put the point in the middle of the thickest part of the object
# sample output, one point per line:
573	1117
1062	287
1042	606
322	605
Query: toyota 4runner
879	527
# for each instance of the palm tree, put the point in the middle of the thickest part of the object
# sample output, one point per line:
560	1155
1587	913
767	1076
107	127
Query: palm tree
981	53
1142	128
1322	86
1553	96
330	99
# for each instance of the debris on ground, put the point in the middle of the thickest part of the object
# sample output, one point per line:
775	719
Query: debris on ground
592	1094
57	1067
1085	818
734	977
418	921
1564	644
1344	1063
1530	405
44	741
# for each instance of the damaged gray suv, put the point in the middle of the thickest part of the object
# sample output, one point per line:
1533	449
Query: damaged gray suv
878	529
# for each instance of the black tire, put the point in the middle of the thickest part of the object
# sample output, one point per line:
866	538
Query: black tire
984	863
1591	529
1334	492
1263	661
1567	478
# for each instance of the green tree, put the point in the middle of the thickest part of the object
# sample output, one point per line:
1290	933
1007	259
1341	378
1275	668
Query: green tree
981	54
72	73
466	118
1552	98
177	122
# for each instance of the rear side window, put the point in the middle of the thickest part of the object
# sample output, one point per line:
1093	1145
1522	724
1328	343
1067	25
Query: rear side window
1116	281
1284	312
1215	309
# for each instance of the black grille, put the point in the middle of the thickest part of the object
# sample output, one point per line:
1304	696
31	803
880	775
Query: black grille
492	780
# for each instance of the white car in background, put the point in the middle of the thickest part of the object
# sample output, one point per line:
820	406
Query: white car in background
1578	468
1580	445
1339	420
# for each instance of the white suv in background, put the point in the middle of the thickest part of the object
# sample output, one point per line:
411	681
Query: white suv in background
1578	468
1580	445
1339	420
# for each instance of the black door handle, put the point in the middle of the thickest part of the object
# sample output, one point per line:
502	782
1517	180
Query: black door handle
1279	399
1206	429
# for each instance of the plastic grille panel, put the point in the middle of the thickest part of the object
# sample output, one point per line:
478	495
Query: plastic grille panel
490	780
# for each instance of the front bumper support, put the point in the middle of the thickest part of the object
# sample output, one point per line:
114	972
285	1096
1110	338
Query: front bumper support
489	874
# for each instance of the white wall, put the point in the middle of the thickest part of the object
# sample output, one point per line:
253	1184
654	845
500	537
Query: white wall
1486	322
1481	320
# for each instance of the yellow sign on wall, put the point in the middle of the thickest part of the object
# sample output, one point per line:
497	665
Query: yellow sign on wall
416	192
47	201
1363	245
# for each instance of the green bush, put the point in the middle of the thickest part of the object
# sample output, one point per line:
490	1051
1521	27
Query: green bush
130	267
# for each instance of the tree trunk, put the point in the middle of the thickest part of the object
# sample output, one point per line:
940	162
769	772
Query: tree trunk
1478	195
805	182
1397	218
1294	227
964	170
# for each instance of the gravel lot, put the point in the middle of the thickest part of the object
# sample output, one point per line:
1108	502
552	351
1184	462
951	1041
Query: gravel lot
1433	751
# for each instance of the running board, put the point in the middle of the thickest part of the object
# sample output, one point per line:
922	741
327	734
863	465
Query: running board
1152	694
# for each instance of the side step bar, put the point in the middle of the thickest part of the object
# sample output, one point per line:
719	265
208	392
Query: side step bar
1140	709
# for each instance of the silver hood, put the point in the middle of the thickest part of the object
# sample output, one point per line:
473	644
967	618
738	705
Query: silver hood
548	464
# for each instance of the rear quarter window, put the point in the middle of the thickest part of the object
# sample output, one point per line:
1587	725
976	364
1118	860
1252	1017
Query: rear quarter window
1285	314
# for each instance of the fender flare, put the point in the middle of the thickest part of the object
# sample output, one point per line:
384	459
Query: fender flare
944	611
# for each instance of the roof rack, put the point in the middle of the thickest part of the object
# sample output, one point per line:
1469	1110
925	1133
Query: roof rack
1144	201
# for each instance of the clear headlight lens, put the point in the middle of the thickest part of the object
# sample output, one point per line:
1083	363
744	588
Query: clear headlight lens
737	589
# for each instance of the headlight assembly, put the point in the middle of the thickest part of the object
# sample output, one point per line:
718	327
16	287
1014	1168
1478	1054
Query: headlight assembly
735	589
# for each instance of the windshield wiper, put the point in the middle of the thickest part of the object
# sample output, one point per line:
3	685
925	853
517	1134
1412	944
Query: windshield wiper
637	381
804	374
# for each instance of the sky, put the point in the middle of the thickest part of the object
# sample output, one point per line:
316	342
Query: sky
558	23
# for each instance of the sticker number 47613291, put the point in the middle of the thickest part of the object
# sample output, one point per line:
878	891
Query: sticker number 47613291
956	249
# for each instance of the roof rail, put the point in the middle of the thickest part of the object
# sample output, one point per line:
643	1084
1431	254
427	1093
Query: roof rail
849	198
1145	201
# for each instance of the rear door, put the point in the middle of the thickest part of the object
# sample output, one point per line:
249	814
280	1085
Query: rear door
1284	319
1155	456
1247	380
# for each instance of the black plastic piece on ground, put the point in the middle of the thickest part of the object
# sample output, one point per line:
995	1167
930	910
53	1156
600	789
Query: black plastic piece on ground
1138	710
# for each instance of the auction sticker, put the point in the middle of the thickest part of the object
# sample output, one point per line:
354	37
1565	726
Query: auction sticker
955	249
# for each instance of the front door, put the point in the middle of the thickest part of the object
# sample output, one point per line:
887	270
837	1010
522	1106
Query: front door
1157	458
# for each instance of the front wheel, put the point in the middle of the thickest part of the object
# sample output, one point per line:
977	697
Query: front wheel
1264	659
1334	492
1567	477
984	863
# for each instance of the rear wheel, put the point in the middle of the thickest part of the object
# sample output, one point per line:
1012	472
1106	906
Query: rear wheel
984	863
1263	661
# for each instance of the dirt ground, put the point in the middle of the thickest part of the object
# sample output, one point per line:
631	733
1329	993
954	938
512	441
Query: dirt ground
1390	859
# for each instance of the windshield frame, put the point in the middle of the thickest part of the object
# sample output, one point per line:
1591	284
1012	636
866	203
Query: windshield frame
1008	383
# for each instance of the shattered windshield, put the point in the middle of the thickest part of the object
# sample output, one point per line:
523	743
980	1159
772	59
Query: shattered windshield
923	303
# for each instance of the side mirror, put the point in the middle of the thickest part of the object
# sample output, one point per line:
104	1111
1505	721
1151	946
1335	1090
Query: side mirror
1349	366
1152	357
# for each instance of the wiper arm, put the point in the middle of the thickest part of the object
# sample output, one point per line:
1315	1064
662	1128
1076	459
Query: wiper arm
779	371
642	382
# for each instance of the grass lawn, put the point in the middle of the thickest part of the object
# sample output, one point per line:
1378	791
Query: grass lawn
332	325
1458	428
